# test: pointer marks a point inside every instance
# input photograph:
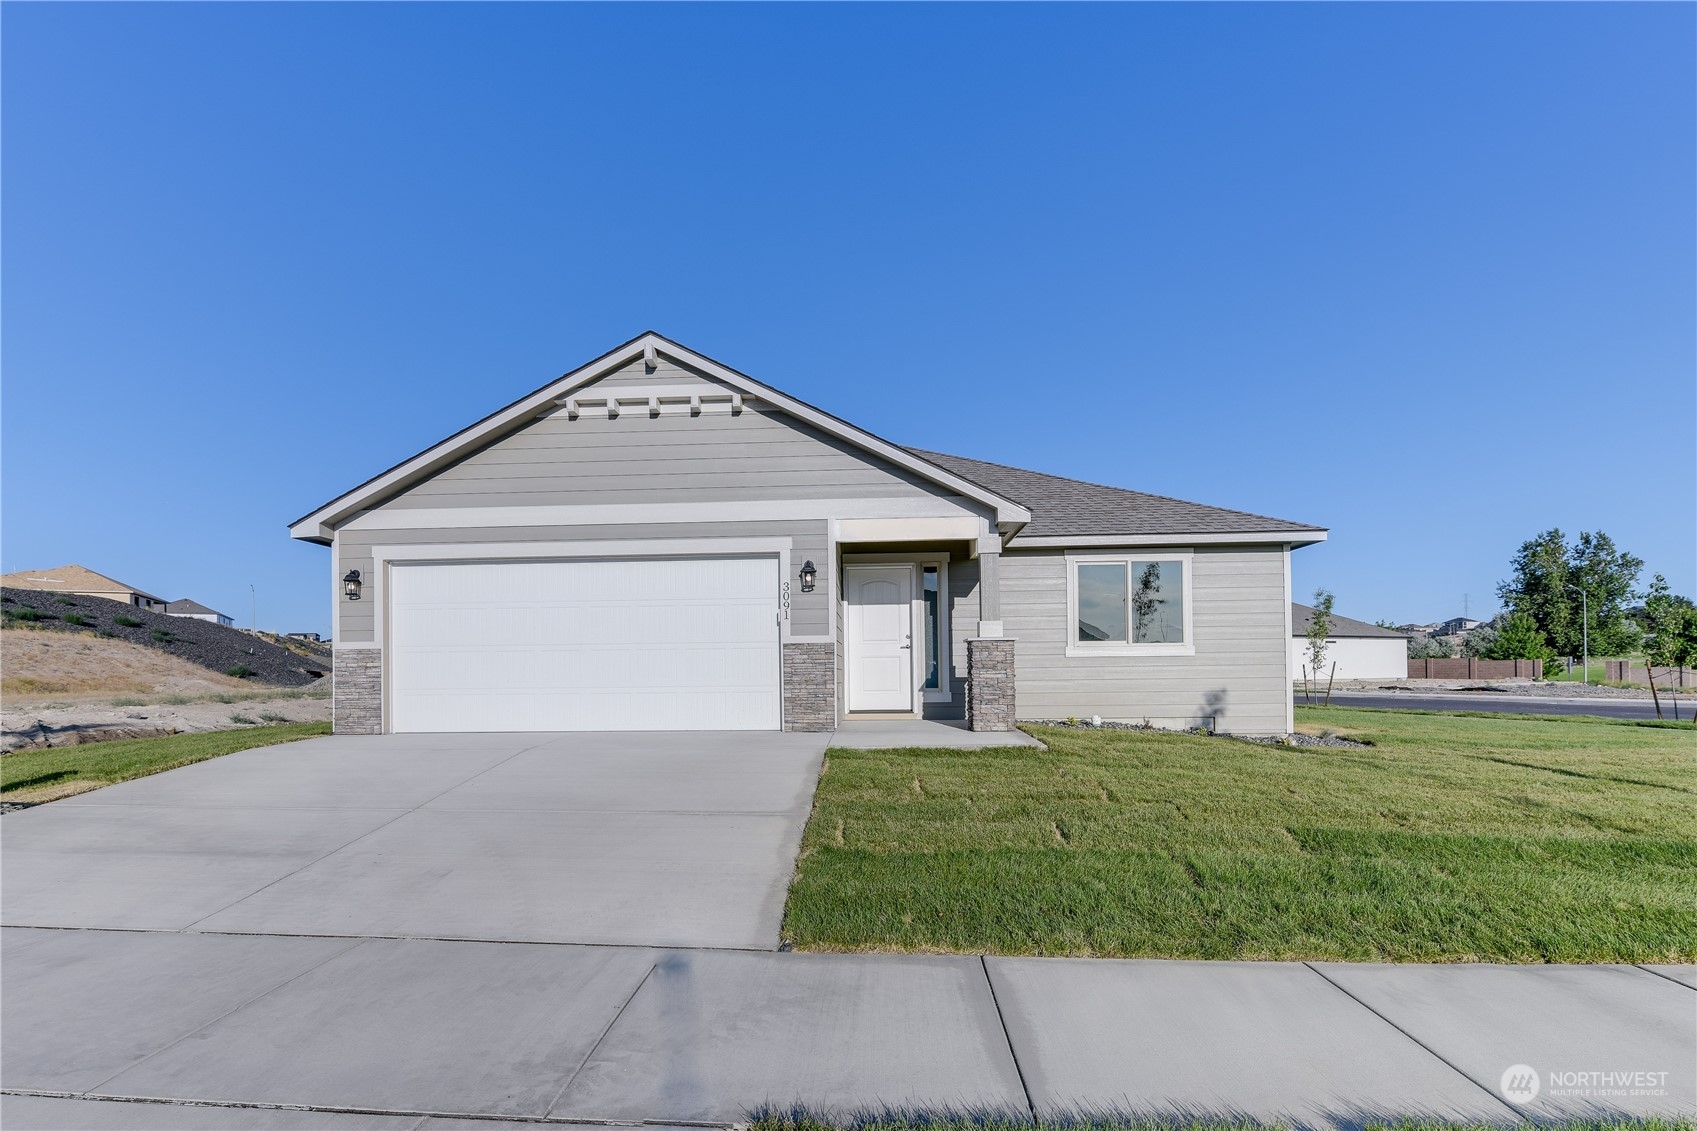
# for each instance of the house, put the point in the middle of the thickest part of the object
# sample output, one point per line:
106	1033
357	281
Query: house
657	541
1360	650
1455	626
188	608
80	581
312	636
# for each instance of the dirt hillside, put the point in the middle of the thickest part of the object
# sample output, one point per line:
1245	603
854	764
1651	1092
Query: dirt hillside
213	647
37	664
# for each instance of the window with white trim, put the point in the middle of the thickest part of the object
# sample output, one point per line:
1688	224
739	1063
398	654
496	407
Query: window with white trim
1130	604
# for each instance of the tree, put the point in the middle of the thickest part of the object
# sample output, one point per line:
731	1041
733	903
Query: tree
1319	628
1428	648
1545	568
1481	640
1519	638
1670	627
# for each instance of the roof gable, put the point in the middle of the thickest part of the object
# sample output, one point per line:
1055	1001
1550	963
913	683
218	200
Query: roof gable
643	359
70	579
187	606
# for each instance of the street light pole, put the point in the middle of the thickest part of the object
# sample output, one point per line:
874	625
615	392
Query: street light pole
1584	633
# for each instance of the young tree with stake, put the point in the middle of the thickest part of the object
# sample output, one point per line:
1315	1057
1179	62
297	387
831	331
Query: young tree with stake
1319	628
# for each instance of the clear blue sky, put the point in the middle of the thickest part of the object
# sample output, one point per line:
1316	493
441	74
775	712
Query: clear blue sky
1422	274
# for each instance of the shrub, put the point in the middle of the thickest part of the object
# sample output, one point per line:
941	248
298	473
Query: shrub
160	636
240	671
126	621
1520	638
77	619
28	615
63	600
244	720
273	717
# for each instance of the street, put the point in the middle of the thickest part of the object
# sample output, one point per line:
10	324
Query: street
1513	704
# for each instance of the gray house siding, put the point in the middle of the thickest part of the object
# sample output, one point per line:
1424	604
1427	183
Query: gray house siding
635	458
665	372
810	614
1237	675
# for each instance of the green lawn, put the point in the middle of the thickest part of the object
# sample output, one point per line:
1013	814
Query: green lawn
790	1121
1509	838
33	775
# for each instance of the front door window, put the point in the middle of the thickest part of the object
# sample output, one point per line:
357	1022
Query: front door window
933	670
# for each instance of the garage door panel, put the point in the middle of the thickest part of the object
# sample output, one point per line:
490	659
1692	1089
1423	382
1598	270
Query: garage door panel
516	711
585	625
604	645
604	667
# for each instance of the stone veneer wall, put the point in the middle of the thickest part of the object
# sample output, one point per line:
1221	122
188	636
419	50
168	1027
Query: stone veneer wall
989	684
810	687
357	694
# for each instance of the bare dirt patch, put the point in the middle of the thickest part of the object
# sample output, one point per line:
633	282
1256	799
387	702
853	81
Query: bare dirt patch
76	724
69	689
42	666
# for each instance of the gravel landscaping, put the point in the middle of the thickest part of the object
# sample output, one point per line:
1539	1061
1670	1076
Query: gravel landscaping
1292	739
213	646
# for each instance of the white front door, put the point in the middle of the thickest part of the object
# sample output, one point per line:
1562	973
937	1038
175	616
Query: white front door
880	637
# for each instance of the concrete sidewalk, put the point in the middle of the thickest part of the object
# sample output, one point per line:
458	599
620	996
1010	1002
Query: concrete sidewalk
933	734
428	1033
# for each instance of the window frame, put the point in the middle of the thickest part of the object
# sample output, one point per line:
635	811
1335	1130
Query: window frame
1076	648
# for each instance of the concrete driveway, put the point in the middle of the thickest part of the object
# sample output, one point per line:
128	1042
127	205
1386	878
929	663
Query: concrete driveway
350	933
652	839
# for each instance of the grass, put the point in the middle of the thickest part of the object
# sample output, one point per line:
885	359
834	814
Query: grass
1554	673
43	775
1506	838
804	1121
792	1121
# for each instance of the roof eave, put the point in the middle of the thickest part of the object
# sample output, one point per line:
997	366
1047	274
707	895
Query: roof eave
320	525
1292	538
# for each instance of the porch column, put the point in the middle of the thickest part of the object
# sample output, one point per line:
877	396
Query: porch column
989	655
989	595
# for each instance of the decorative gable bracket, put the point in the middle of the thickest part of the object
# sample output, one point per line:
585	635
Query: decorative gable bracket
656	400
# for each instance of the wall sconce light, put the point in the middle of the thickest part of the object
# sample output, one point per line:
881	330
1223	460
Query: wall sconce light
808	576
350	585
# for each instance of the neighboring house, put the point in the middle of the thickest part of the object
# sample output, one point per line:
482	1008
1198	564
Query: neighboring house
1360	650
312	636
1455	626
188	608
79	581
656	541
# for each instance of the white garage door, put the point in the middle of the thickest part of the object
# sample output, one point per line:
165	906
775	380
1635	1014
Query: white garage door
668	644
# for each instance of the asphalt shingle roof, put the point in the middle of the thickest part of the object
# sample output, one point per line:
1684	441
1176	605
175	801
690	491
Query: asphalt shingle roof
1301	616
1067	507
188	606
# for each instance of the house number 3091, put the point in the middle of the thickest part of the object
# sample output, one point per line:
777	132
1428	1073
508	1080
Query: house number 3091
784	601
